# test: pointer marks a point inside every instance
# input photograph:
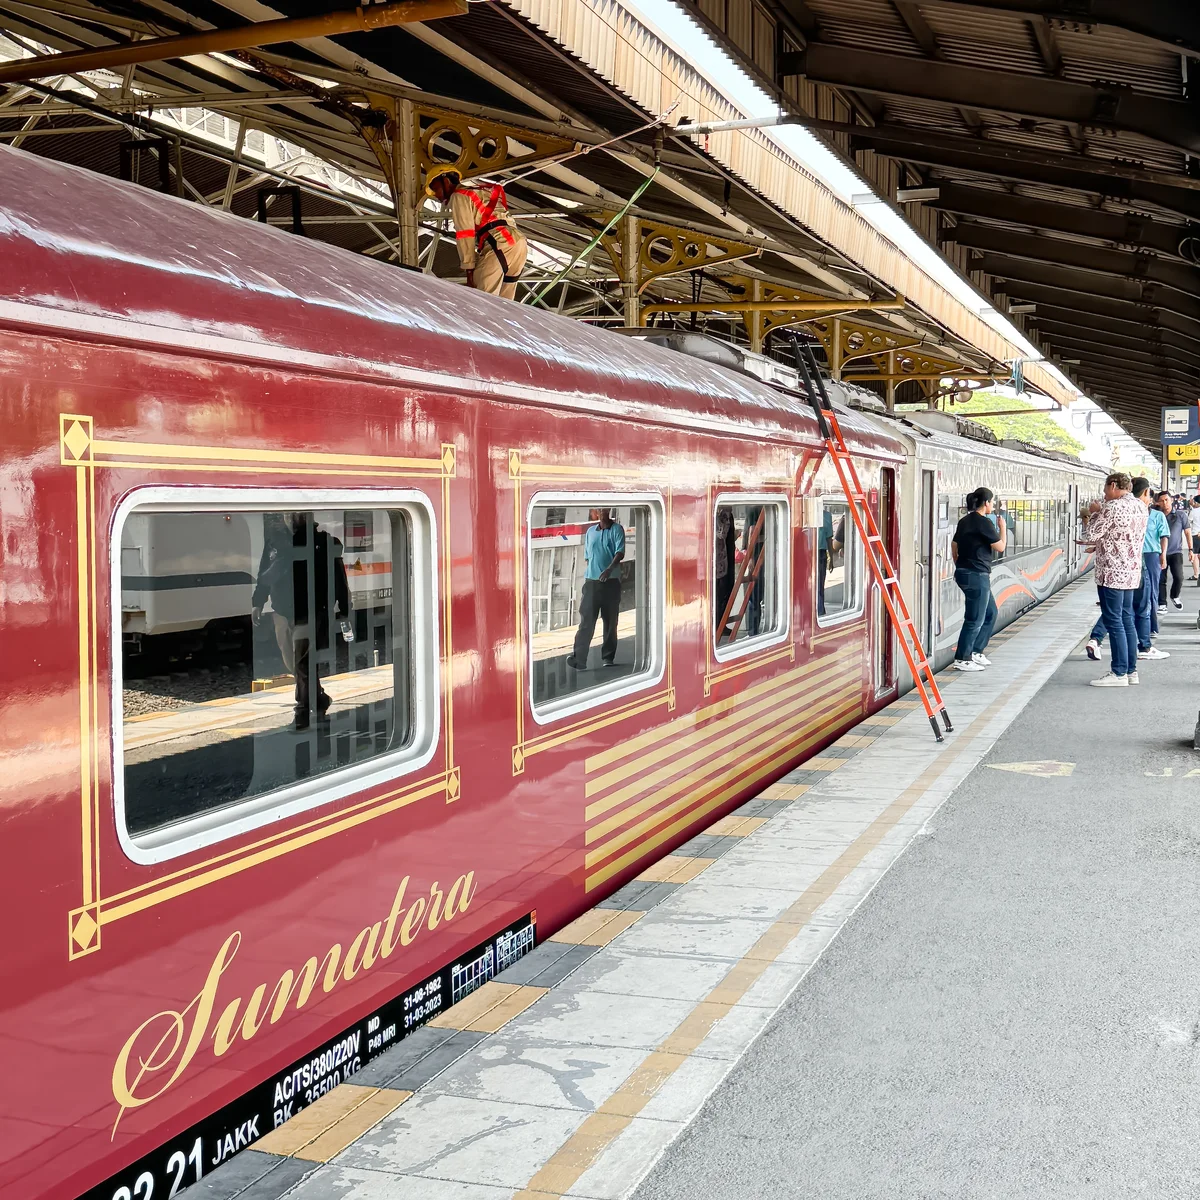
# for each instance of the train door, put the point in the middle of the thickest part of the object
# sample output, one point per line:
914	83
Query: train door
925	564
1071	533
885	678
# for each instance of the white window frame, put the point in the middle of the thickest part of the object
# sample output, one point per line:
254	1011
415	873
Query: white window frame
847	614
568	706
783	572
231	821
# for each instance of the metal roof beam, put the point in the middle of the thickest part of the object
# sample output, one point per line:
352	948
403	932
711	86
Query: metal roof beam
1020	164
1171	122
1176	23
1120	263
1141	327
1135	338
1129	291
1128	348
1063	296
1126	229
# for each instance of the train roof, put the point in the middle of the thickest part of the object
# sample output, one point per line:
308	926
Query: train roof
98	257
915	435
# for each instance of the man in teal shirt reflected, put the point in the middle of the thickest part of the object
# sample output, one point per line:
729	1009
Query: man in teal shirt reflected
603	550
1154	560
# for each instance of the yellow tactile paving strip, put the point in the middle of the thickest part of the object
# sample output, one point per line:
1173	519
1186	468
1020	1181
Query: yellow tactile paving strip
675	868
330	1124
597	927
735	826
489	1007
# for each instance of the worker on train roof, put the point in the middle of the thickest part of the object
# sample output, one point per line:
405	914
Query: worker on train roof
491	248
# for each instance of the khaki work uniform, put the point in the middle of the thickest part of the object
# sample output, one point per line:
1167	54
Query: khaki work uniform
487	239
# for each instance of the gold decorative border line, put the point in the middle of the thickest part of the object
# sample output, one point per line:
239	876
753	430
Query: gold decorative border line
81	451
519	471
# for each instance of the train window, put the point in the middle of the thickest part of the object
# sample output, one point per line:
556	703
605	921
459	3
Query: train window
272	658
839	564
596	571
750	571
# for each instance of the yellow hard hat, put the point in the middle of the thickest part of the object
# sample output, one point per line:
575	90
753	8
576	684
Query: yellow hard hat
438	173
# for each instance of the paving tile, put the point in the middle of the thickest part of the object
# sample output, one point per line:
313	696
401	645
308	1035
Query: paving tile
594	1018
785	877
514	1068
232	1178
488	1007
675	868
682	1093
564	965
529	966
314	1120
735	825
823	762
418	1074
353	1125
687	936
406	1054
279	1181
476	1141
338	1182
639	895
708	901
596	927
634	973
707	846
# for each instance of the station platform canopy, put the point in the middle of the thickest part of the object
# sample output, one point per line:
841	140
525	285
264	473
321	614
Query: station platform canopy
331	129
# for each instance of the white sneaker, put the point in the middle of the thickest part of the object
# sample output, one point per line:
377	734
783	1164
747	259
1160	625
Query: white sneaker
965	664
1163	608
1177	603
1154	652
1111	680
981	659
1132	677
1092	650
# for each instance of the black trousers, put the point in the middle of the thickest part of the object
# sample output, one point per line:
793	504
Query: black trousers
303	662
1175	568
601	598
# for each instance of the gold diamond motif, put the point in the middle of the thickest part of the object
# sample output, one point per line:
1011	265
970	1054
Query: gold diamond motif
448	459
77	439
84	930
514	464
452	785
518	760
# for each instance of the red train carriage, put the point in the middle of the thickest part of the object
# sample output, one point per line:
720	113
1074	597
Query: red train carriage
294	727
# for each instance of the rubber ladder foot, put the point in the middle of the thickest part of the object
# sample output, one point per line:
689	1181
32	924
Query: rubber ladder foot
937	733
946	721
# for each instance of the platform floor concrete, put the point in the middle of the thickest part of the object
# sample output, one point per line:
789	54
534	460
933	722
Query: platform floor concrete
1015	1010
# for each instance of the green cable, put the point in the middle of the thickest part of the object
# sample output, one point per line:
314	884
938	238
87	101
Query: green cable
536	298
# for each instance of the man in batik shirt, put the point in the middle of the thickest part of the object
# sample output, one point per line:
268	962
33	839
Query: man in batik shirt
1116	530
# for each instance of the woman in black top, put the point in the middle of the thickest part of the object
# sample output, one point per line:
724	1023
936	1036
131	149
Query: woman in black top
974	541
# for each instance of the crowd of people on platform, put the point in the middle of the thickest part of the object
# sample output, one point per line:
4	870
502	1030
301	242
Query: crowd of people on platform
1140	539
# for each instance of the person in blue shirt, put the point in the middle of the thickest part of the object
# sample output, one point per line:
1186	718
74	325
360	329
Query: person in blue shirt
1154	560
603	550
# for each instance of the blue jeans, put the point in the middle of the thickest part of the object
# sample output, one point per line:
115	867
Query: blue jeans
980	615
1098	630
1116	606
1145	604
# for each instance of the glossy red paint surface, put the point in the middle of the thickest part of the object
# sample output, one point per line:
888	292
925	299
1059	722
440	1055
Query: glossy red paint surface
171	326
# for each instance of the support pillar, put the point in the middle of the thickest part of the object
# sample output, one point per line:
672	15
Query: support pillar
835	350
756	318
631	249
889	400
404	159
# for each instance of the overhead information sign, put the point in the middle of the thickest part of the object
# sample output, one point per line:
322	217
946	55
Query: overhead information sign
1187	452
1189	468
1180	425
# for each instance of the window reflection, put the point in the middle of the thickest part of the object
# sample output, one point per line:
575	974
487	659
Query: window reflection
747	553
259	649
590	574
839	567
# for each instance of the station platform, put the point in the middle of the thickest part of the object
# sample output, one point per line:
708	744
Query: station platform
904	970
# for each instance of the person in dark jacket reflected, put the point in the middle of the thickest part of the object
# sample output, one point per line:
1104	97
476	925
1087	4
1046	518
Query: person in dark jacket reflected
304	576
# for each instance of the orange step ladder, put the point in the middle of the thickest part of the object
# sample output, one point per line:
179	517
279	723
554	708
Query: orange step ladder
868	531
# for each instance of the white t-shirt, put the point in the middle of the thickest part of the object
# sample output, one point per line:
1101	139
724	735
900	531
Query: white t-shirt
1194	522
